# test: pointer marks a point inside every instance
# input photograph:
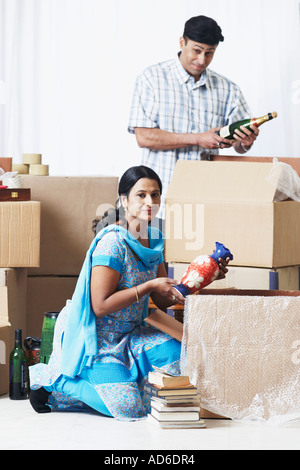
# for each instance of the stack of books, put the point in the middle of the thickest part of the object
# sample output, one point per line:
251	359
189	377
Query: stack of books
175	402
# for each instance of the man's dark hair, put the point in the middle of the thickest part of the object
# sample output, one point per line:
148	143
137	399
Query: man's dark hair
204	30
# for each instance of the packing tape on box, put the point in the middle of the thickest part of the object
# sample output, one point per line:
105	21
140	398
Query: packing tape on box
21	168
32	158
39	170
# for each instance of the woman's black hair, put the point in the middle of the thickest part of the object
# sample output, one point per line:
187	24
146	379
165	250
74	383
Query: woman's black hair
126	183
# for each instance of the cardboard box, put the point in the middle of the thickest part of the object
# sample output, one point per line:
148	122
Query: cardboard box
46	294
4	357
239	277
19	234
13	300
242	350
68	207
230	202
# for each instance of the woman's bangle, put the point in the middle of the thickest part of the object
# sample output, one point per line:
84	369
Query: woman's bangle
137	295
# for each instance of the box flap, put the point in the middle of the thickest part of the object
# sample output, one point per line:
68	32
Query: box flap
222	181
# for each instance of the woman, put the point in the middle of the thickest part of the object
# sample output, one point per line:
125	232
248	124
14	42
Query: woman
102	352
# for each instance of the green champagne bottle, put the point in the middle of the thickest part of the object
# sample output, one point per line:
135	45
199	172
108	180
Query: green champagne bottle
18	372
227	132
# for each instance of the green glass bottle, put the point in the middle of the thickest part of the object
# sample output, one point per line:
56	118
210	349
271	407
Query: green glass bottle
227	132
18	371
47	336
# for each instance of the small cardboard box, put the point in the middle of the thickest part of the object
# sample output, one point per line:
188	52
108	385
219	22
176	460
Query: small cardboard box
240	277
19	234
13	299
68	207
4	357
232	203
46	294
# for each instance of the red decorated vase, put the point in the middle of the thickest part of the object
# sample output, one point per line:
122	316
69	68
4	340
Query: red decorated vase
203	271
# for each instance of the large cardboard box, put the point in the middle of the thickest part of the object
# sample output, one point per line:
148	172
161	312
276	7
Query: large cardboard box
4	357
46	294
13	299
240	277
68	207
19	234
230	202
242	350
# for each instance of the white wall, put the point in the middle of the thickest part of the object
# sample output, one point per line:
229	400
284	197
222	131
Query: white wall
67	70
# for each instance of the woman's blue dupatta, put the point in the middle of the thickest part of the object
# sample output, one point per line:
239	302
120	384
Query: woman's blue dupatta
80	339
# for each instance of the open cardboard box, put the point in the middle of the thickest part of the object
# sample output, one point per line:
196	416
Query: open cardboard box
230	202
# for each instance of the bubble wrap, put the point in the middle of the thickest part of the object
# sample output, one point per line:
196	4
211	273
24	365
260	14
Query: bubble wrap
243	354
288	184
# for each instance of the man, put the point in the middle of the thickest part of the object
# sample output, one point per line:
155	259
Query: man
179	105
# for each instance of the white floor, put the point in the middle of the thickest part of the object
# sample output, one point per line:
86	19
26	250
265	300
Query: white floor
23	429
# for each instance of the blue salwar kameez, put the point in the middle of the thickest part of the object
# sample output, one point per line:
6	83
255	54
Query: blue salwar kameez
103	363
